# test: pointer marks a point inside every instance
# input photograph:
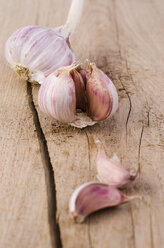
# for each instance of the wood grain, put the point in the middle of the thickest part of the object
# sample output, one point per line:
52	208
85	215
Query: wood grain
126	40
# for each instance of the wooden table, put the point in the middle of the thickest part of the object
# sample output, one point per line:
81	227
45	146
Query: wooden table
126	40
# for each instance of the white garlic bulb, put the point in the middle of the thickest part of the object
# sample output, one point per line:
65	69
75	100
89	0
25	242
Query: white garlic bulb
70	89
35	52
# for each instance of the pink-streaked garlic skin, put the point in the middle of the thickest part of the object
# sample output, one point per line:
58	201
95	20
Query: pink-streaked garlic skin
112	91
37	50
57	97
110	171
101	94
93	196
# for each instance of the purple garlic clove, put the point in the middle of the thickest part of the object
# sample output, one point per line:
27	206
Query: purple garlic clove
91	197
101	94
110	171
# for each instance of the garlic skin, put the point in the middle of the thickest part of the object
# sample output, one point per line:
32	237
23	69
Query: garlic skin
34	52
57	96
66	96
110	171
101	94
93	196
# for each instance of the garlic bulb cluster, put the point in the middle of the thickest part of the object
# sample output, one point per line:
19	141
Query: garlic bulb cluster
93	196
78	96
75	95
34	52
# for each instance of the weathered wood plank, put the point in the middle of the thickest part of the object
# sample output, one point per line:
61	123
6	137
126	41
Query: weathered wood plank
23	200
23	204
125	39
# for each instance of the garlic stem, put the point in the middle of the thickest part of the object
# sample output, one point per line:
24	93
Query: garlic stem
73	16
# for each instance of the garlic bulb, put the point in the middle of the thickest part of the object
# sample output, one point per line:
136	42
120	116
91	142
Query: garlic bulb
34	52
110	171
93	196
78	96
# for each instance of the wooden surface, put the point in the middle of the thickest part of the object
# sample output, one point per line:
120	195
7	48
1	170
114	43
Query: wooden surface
126	40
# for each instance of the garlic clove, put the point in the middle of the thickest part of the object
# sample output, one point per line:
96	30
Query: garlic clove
57	97
35	52
110	171
80	90
93	196
101	94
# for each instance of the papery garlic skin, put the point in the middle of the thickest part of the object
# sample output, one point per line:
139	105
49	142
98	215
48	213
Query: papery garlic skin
57	96
110	171
101	94
93	196
34	52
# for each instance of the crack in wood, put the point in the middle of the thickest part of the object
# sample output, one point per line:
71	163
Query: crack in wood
130	106
89	152
129	112
151	230
89	234
89	159
49	174
133	228
148	118
123	87
139	150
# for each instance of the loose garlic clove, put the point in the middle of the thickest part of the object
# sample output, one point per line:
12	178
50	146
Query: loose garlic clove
110	171
34	52
101	94
93	196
